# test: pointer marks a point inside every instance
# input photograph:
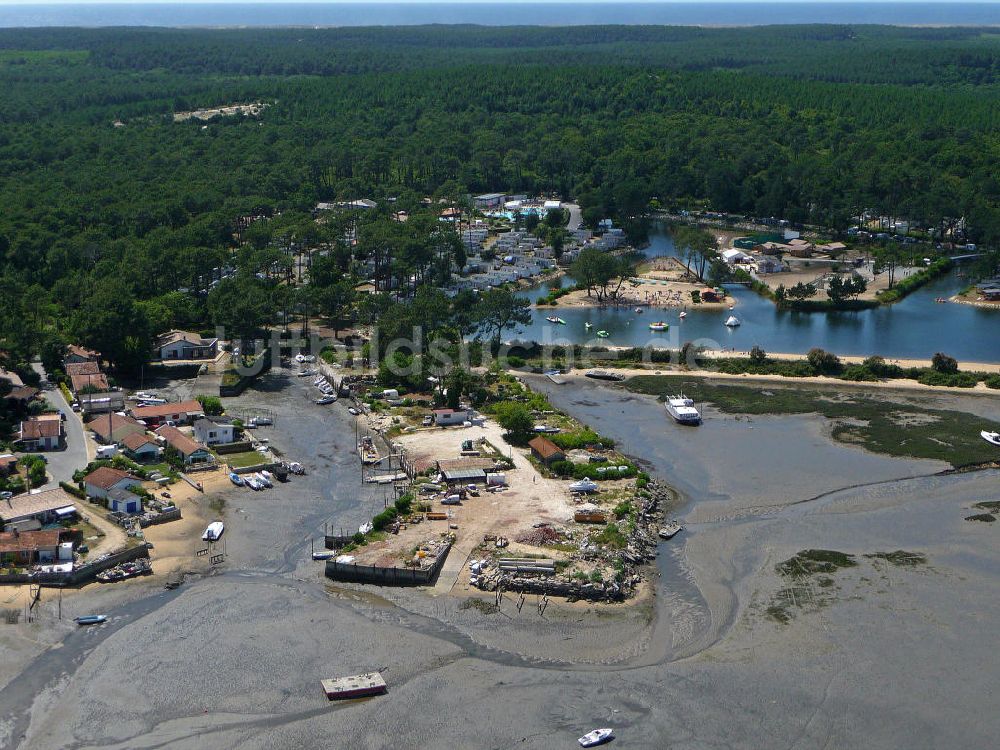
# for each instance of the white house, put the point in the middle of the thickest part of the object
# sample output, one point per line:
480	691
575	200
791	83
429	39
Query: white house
122	501
186	345
734	256
209	432
42	433
103	480
448	417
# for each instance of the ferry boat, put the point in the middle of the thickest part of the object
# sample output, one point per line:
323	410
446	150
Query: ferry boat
596	737
682	409
659	325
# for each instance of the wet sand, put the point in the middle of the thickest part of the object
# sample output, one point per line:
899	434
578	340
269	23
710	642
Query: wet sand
232	660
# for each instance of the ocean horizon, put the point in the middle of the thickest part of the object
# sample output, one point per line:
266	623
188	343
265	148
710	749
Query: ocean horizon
516	13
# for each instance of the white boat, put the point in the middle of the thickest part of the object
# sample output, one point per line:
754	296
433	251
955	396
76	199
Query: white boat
236	479
546	429
214	531
584	485
670	529
682	409
329	399
306	373
638	311
261	421
296	468
324	555
683	315
659	325
253	484
365	528
990	437
596	737
732	321
90	619
263	480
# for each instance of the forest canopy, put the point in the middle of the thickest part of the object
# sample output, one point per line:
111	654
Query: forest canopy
106	199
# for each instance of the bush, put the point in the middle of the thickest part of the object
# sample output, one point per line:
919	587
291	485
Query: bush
403	505
569	441
944	364
384	519
992	381
211	405
562	468
824	362
958	379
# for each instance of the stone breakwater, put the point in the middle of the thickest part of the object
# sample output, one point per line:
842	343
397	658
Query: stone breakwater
628	559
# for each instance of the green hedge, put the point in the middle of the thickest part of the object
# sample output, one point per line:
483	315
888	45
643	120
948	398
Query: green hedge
912	283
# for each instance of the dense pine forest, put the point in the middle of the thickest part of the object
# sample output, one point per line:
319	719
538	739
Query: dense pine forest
109	207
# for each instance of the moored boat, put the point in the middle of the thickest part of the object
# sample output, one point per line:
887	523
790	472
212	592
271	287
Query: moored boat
603	334
90	619
990	437
659	325
732	322
682	409
669	529
683	315
597	737
604	375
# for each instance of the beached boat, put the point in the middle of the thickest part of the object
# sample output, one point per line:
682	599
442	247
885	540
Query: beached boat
732	321
140	567
265	481
329	399
546	429
365	528
236	479
605	375
670	529
324	555
90	619
357	686
596	737
659	325
682	409
214	531
990	437
584	485
603	334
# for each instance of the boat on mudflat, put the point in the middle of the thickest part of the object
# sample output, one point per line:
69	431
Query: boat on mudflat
596	737
669	529
614	377
990	437
682	409
90	619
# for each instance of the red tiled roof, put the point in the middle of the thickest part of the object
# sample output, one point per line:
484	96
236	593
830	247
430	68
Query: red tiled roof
28	541
177	439
33	429
159	411
82	368
100	424
106	477
136	440
22	393
81	351
544	447
98	382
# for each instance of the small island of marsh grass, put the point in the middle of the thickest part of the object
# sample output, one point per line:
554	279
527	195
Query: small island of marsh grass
875	422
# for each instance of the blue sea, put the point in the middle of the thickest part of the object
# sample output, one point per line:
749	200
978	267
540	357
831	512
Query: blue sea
499	14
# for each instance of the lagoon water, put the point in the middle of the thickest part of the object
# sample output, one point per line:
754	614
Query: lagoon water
497	14
915	327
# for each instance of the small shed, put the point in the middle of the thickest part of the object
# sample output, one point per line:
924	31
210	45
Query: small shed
546	451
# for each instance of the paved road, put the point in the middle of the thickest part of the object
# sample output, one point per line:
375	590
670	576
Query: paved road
575	215
63	463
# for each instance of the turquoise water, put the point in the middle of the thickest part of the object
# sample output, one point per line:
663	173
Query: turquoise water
916	327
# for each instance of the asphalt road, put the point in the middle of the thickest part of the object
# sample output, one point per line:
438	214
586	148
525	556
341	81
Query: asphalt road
63	463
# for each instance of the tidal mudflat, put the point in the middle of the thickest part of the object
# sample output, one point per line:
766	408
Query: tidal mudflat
729	650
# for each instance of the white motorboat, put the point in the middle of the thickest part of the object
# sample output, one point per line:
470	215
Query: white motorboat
214	531
990	437
732	322
584	485
670	529
546	429
683	315
682	409
597	737
253	483
263	480
324	555
328	399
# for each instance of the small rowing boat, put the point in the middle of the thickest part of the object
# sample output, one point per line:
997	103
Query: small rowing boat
659	325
